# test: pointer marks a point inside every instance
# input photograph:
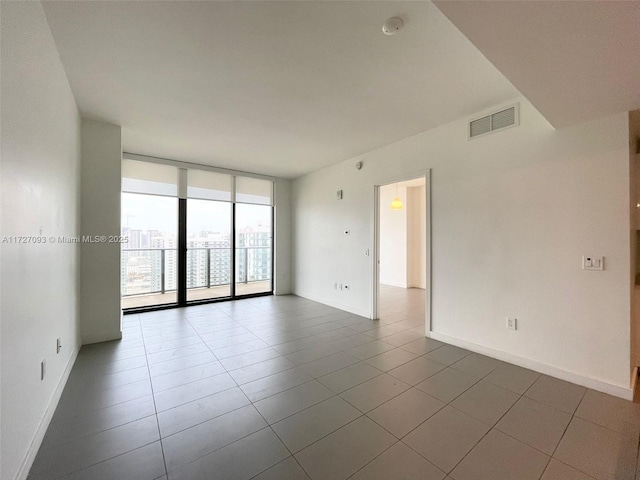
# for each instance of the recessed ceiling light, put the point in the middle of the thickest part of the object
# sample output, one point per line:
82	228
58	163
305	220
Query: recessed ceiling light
391	26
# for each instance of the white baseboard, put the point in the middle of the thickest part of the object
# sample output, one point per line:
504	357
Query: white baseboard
540	367
27	462
330	303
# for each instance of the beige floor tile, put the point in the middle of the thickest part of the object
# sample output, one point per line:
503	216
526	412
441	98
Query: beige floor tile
477	365
281	405
447	384
302	429
405	412
615	413
399	463
374	392
562	395
416	371
559	471
536	424
485	401
422	346
286	470
512	377
349	377
500	457
446	437
447	354
598	451
391	359
370	349
335	458
233	463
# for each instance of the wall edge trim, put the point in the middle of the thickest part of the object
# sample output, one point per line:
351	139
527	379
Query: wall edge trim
540	367
29	458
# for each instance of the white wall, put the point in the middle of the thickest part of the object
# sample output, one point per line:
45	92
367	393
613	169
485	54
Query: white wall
512	214
393	237
282	259
416	237
40	173
100	262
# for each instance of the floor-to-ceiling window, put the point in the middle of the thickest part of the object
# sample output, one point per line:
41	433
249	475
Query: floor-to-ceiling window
194	235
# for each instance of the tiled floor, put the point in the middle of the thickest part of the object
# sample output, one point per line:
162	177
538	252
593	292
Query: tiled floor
283	388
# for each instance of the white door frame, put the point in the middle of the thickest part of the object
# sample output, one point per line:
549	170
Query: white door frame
375	257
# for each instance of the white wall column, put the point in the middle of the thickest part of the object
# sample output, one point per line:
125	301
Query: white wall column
100	310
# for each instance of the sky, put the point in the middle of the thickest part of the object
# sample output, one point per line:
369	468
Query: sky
151	212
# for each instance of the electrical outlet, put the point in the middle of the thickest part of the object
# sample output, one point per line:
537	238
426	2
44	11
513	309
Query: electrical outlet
58	345
512	323
43	369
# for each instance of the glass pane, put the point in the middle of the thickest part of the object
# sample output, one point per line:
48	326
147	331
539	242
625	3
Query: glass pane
149	260
254	190
208	249
150	178
253	249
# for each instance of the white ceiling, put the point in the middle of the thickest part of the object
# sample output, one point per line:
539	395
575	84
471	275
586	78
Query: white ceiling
575	61
278	88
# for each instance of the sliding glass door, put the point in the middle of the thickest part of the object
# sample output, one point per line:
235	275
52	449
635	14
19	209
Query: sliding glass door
209	240
253	249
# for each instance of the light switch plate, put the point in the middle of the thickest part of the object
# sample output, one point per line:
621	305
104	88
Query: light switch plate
592	263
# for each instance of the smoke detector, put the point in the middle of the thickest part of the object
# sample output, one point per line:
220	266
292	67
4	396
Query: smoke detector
391	26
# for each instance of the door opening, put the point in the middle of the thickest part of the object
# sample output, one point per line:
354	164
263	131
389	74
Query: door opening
402	252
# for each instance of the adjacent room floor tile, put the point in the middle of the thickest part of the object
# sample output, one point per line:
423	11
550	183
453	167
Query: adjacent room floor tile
500	457
399	462
334	458
598	451
536	424
405	412
446	437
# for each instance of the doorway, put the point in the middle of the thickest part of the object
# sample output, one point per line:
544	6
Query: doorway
402	259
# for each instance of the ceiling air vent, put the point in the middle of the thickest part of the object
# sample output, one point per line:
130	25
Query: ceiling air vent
495	121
